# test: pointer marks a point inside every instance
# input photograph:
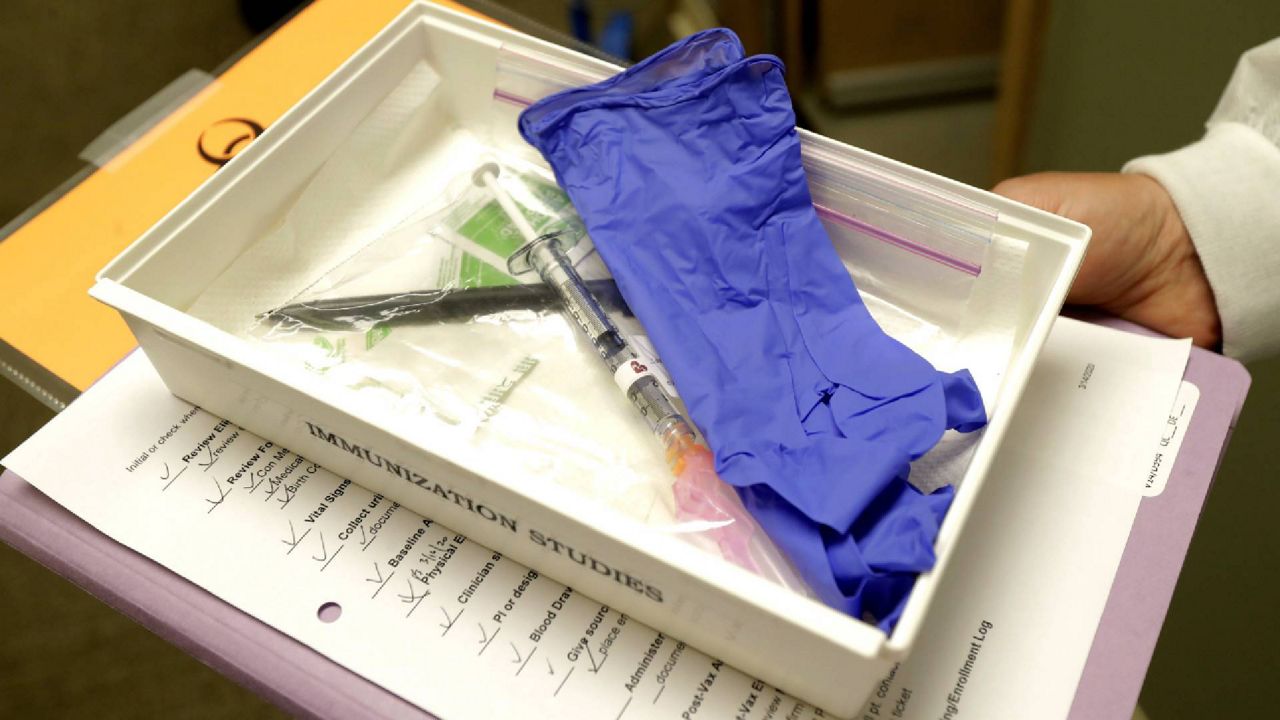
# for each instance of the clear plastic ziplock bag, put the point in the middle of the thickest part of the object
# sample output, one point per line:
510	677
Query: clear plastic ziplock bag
897	238
454	320
917	254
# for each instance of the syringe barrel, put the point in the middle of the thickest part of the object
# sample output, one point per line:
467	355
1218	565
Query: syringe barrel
552	264
643	389
657	407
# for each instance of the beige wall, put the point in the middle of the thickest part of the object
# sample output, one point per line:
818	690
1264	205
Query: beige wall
1122	78
69	69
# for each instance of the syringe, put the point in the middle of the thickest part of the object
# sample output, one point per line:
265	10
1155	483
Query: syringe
699	494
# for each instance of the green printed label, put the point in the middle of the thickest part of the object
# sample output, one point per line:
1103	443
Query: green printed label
490	228
334	353
375	335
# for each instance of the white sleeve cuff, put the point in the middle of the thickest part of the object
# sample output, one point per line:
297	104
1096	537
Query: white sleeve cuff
1227	190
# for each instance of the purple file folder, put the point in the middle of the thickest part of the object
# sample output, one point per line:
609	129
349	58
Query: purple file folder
1158	542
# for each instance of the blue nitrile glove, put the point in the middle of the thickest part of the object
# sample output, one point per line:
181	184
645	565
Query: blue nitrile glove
686	170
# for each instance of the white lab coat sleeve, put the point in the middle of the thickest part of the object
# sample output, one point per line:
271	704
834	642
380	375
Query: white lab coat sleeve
1226	186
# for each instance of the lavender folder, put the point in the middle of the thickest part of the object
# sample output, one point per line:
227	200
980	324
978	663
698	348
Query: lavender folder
1158	542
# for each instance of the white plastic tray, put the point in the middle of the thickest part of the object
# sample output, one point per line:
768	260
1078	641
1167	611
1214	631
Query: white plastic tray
807	649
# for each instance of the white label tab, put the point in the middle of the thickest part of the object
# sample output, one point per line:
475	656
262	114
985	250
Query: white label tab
1157	475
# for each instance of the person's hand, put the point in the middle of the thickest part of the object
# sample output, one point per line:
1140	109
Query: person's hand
1141	264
